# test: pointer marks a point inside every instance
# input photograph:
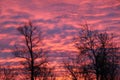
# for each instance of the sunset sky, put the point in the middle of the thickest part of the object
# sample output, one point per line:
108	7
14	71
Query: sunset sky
59	21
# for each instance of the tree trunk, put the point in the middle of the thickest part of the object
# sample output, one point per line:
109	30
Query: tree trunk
32	69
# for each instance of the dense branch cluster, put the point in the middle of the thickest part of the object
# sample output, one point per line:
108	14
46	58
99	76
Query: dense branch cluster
98	56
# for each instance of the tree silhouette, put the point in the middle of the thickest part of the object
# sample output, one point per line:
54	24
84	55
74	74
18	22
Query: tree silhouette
7	73
97	58
30	50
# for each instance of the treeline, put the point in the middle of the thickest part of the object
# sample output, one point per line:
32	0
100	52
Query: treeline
97	57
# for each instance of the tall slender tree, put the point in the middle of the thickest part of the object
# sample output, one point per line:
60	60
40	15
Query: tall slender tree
35	61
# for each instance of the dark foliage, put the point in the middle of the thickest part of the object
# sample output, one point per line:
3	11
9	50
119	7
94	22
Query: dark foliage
97	58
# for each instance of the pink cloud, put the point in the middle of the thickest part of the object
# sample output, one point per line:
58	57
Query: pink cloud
59	20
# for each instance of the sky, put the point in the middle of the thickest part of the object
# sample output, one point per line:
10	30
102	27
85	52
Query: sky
59	21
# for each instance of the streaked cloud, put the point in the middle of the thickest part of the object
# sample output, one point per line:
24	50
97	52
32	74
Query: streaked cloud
59	20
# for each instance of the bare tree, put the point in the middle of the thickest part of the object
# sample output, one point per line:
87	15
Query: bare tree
30	50
98	56
7	73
